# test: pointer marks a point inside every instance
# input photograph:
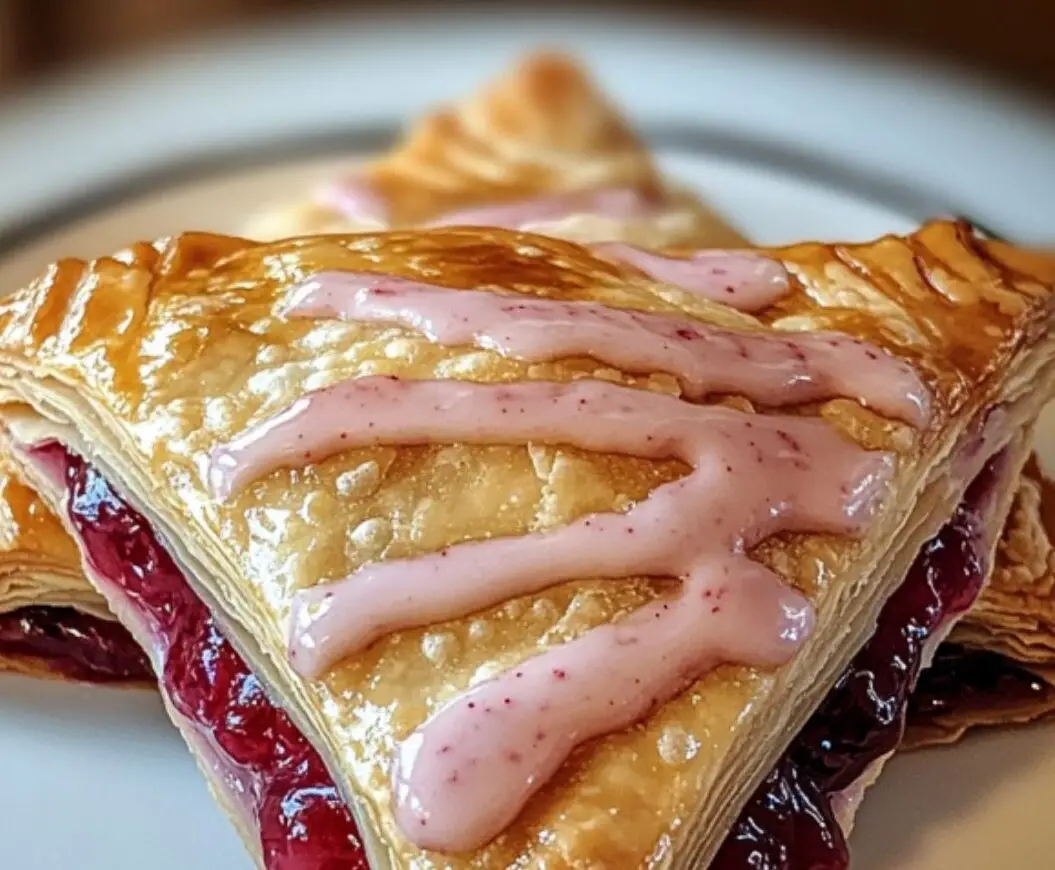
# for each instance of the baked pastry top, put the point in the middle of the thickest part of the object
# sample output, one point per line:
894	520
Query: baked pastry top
153	363
540	149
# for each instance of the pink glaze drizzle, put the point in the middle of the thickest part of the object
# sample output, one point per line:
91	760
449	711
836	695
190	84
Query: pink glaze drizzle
355	200
803	367
616	203
740	279
467	772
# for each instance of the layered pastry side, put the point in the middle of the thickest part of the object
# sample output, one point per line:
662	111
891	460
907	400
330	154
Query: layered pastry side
999	666
1016	616
52	623
543	557
795	821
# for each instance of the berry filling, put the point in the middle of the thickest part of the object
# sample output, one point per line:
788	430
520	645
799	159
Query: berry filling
962	683
73	644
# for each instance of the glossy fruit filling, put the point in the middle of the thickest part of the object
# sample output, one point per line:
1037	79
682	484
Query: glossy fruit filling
73	644
790	822
302	820
966	683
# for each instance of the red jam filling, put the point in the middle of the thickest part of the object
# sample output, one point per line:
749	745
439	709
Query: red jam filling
789	823
304	823
74	645
963	681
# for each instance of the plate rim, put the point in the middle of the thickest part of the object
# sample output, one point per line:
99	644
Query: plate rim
698	140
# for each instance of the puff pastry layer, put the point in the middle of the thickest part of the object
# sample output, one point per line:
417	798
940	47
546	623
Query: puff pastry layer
39	564
52	622
1016	615
999	668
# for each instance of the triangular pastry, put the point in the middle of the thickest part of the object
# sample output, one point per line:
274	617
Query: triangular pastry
379	480
48	606
541	150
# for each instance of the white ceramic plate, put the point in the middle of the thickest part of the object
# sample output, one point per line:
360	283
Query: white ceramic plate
788	143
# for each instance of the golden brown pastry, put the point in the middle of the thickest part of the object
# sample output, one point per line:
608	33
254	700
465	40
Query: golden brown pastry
1016	614
38	561
541	149
541	137
389	469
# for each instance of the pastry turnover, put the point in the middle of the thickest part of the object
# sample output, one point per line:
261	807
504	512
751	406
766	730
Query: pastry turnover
549	154
540	150
541	146
548	551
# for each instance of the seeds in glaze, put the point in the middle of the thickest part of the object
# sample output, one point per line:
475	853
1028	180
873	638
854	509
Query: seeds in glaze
753	476
354	200
740	279
705	359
